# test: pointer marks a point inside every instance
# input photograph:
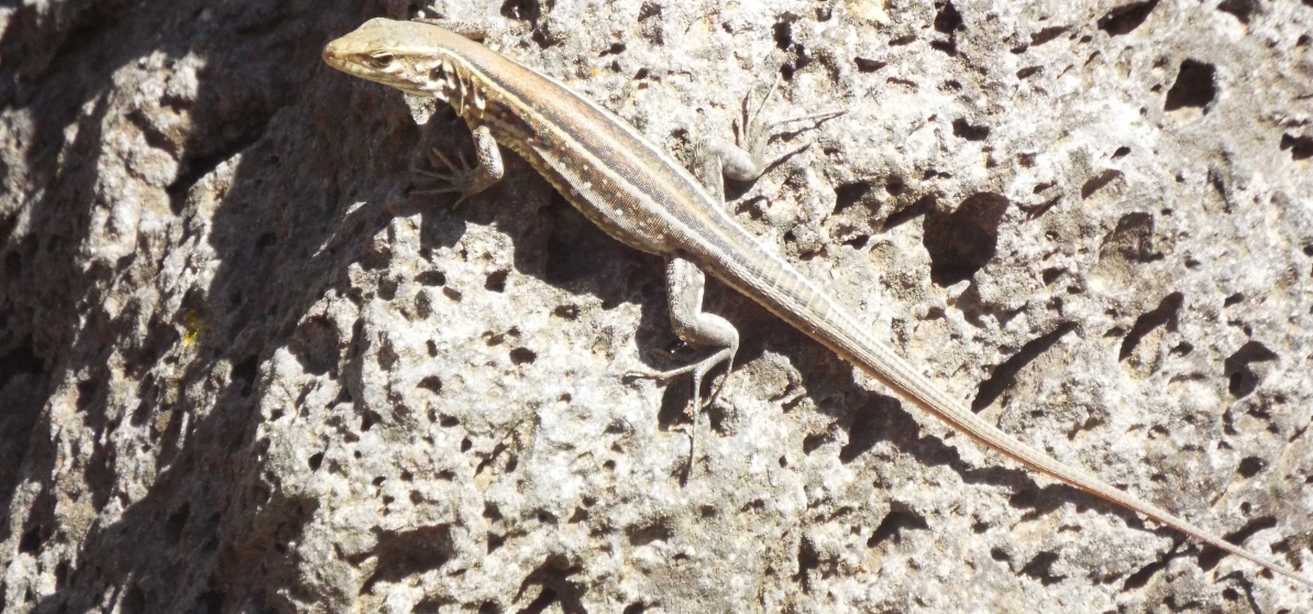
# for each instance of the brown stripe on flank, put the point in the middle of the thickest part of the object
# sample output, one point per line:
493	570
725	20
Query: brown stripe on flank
617	149
568	112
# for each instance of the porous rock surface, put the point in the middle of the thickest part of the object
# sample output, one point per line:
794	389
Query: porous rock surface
243	368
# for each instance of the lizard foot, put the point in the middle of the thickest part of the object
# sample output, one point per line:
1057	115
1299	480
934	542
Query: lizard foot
458	176
699	370
752	134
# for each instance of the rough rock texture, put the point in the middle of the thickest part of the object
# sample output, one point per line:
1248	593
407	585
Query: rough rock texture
241	370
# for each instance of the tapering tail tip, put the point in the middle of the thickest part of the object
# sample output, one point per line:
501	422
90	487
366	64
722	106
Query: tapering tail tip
1272	565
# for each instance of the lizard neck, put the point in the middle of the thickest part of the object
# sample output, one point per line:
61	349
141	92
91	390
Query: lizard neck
453	84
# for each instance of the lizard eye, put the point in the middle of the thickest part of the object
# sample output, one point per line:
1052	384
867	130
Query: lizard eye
380	61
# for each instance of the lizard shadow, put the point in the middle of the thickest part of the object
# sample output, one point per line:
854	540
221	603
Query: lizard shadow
870	417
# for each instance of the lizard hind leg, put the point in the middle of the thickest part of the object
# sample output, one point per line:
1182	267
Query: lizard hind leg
685	283
745	159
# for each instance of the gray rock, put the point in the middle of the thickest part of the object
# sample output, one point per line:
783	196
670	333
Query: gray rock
242	370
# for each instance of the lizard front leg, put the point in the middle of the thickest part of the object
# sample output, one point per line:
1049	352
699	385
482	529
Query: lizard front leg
460	176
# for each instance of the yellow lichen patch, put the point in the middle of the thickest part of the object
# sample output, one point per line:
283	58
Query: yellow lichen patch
193	327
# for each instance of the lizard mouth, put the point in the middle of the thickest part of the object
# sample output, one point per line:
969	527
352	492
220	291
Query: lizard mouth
379	68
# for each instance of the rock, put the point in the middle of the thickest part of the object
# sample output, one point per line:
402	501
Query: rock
244	369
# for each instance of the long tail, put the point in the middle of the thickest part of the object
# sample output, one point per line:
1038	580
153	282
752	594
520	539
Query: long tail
774	284
886	366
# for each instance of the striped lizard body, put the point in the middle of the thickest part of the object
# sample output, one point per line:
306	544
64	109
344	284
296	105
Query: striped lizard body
640	195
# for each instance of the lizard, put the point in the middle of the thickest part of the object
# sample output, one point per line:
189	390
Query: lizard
640	195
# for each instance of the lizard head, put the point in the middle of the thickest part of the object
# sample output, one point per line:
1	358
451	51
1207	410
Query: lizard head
415	57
